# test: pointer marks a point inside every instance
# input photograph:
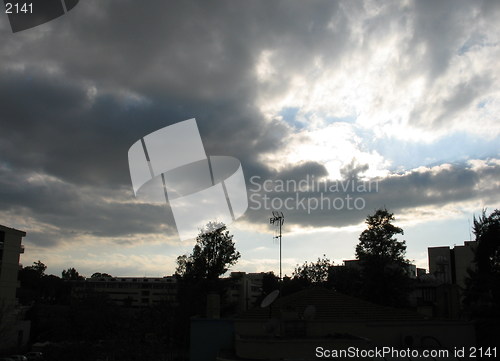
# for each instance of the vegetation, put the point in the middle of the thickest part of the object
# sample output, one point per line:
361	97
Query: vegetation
71	274
377	240
482	291
212	255
383	272
314	272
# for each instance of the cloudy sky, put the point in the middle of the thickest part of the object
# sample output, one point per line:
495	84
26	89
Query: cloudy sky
401	94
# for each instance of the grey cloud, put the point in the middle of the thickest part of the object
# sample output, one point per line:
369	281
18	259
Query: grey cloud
398	192
79	210
191	59
302	170
464	95
353	170
65	134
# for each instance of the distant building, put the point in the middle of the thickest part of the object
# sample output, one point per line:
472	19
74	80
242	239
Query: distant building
450	265
131	291
243	293
352	263
245	290
14	330
10	251
421	272
439	293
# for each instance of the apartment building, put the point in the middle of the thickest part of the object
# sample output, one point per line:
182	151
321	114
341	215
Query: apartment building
450	265
131	291
14	329
10	251
245	289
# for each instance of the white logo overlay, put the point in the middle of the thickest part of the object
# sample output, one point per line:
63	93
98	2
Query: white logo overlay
169	166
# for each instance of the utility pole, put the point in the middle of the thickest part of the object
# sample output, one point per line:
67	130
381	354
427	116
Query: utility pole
278	219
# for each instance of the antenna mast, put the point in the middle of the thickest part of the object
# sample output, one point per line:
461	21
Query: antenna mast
278	219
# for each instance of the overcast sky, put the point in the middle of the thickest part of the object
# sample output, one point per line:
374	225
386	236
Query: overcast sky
401	94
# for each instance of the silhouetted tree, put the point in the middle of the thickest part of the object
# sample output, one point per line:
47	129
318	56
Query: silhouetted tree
71	274
383	266
31	280
482	291
38	267
314	272
100	275
378	242
199	273
212	255
487	232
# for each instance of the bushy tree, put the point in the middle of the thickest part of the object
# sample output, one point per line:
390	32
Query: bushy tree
482	286
38	268
71	274
487	232
377	240
100	275
314	272
482	293
212	255
384	278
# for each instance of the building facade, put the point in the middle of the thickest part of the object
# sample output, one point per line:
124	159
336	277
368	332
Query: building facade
450	265
131	291
14	329
245	289
10	251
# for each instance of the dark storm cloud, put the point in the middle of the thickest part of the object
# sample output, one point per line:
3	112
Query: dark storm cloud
77	92
74	142
68	132
191	49
77	210
401	193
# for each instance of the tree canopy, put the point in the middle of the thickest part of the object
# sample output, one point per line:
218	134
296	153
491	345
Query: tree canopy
487	232
383	272
377	241
314	272
100	275
38	268
212	255
71	274
482	293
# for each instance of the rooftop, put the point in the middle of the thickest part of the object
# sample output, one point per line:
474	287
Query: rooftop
332	306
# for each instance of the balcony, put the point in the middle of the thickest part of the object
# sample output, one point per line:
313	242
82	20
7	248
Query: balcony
22	249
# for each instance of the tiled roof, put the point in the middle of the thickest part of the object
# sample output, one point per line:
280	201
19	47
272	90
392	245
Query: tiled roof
331	306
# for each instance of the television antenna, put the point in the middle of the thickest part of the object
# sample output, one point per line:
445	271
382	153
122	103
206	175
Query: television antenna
278	219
